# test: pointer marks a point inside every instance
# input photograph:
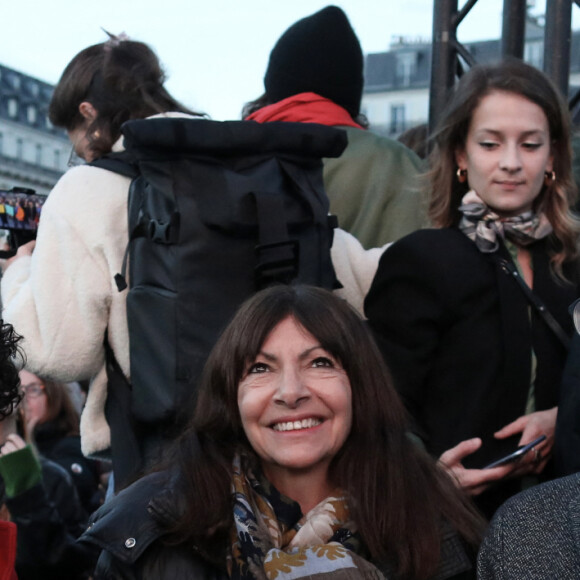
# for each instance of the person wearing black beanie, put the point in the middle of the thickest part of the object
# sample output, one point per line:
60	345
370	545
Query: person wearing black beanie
319	54
315	75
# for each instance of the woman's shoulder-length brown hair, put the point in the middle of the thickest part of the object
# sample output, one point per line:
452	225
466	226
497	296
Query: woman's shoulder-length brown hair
122	79
398	496
512	76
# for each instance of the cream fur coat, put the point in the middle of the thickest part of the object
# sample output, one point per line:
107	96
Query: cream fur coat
63	297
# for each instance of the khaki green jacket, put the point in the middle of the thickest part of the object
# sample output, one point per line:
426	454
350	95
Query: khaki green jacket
374	188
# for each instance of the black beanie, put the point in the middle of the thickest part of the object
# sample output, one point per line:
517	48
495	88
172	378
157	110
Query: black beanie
319	54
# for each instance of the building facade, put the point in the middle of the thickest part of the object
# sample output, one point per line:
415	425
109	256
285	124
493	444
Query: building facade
33	153
396	92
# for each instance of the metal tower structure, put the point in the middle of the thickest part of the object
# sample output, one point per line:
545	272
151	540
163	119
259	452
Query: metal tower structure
449	55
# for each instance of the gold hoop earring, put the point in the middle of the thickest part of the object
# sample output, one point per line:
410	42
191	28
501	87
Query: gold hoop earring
549	177
461	175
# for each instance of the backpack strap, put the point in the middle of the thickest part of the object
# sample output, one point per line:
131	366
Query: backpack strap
121	163
276	253
126	452
508	267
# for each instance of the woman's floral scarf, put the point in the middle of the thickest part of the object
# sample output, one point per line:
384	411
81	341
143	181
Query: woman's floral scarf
482	225
272	540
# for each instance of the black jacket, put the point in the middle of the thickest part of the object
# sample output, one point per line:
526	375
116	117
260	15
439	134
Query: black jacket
49	519
567	443
66	451
455	331
130	528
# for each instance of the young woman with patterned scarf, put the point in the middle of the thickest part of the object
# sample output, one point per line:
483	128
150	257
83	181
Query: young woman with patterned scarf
477	364
297	463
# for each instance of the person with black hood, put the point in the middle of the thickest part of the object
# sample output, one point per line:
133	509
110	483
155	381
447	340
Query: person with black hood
315	75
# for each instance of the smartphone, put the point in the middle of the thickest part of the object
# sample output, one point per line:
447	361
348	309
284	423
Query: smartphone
515	455
20	210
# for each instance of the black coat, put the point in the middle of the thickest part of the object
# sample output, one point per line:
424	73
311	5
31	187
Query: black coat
455	331
130	529
567	443
66	451
49	519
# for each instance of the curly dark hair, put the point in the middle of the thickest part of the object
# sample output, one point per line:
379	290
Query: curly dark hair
10	394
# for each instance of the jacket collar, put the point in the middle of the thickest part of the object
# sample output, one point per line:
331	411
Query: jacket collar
130	522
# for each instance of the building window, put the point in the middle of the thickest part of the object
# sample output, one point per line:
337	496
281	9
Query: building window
406	67
1	143
57	159
19	148
397	118
46	93
534	53
15	80
38	154
33	88
31	114
12	108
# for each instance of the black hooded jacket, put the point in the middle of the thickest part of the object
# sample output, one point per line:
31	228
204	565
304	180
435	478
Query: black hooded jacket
49	519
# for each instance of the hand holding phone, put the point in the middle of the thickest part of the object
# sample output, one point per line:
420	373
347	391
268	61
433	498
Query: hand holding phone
472	480
517	454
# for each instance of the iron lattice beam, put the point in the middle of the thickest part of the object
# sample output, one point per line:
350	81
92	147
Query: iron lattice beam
449	54
557	42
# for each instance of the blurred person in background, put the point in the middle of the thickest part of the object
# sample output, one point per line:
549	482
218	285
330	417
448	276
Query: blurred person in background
37	496
53	425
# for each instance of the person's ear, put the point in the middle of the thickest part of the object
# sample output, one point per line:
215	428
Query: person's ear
88	111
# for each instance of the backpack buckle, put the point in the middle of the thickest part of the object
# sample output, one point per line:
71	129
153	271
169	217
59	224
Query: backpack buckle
276	262
162	232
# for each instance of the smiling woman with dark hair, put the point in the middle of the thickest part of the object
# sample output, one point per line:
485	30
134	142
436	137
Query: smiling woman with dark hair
297	456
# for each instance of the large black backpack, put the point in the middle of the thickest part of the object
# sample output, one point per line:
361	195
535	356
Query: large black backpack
217	211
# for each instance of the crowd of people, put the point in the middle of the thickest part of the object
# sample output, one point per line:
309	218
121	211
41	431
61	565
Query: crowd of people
367	431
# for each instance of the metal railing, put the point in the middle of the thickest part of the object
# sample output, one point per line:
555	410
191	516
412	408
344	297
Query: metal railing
449	55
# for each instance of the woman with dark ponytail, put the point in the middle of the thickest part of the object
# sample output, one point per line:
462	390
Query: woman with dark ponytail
62	297
104	86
